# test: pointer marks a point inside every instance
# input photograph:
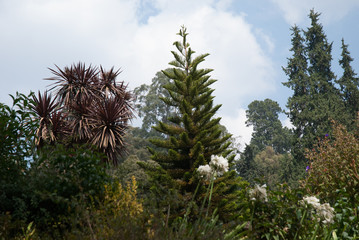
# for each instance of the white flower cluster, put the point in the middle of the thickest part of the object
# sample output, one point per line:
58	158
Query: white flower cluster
220	164
205	171
325	211
216	167
312	201
258	193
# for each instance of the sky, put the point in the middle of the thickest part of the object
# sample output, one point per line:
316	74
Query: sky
248	42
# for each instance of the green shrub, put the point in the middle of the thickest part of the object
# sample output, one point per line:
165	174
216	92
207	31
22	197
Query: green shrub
334	165
61	182
279	214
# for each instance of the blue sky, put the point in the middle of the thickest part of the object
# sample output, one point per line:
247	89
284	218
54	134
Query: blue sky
248	42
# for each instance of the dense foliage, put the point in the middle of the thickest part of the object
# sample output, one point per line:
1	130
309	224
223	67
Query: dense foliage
266	158
267	128
55	182
334	165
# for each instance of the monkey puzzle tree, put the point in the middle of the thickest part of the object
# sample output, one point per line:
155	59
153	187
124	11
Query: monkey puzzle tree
89	108
193	134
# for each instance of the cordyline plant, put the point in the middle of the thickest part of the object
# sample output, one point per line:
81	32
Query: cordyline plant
89	107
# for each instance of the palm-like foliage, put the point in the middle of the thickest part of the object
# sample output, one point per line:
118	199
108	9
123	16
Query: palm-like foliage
91	108
108	121
107	82
75	83
43	106
60	129
79	125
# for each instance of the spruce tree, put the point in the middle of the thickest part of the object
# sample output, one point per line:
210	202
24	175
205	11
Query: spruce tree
349	84
325	97
316	101
298	103
193	134
246	166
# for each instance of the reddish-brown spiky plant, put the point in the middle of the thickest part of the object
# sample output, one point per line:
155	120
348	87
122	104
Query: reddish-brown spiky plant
91	108
75	83
60	128
108	120
79	122
107	82
43	107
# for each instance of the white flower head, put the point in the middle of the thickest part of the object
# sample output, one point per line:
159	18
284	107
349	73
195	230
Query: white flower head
312	201
219	164
258	193
205	171
326	213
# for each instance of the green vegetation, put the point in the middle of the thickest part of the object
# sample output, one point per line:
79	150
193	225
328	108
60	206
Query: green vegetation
64	172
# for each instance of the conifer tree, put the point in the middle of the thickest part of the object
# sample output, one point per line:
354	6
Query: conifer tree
245	166
193	134
325	96
298	103
316	101
349	85
191	137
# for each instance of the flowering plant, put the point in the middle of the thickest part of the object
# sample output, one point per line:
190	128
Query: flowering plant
324	211
216	167
314	201
205	171
259	193
220	164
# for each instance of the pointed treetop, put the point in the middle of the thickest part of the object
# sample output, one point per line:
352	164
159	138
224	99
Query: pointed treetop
314	16
346	58
183	33
315	33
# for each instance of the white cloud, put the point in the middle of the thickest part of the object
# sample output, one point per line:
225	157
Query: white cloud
267	40
236	125
37	34
295	12
239	63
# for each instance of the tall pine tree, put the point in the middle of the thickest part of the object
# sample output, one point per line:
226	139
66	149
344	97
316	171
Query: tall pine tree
325	96
316	101
298	103
193	135
349	85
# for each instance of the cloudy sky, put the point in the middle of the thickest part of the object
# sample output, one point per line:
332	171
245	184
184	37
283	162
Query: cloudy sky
248	42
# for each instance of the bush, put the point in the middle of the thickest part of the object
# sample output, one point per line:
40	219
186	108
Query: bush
16	149
280	214
334	165
60	184
118	215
